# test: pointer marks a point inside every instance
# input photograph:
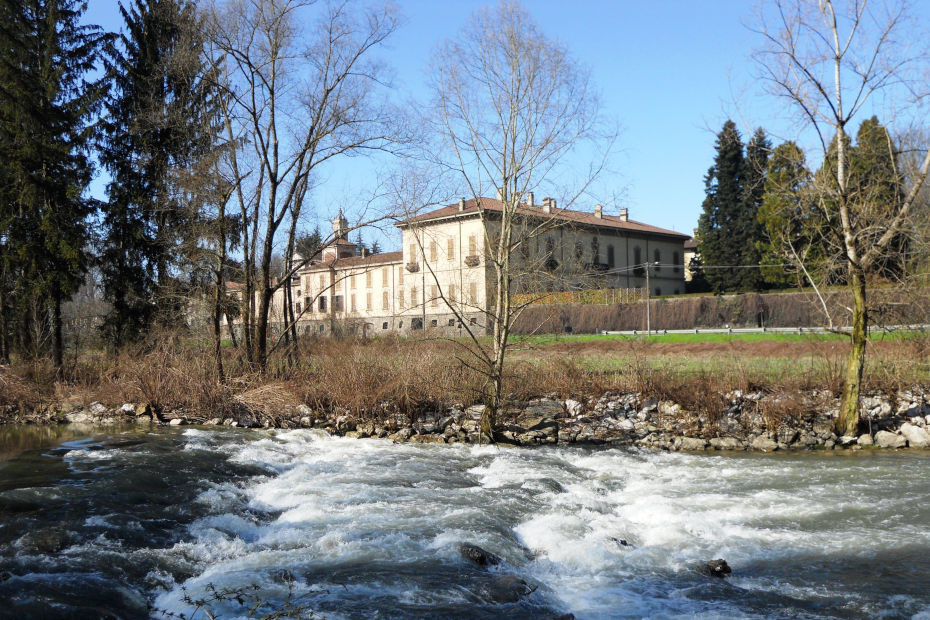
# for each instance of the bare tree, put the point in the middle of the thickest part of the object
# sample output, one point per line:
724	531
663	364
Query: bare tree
833	61
511	105
297	97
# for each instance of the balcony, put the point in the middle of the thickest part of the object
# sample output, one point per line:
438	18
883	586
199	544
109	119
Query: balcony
413	267
472	260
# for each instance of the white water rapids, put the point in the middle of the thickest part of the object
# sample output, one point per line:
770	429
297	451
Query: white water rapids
366	528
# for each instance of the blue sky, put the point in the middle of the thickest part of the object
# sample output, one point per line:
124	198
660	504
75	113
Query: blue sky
670	72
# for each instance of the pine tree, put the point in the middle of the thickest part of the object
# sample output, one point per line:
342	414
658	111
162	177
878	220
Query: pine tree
720	246
786	216
159	125
750	231
46	111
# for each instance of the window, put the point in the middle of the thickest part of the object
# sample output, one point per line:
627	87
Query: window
337	303
308	304
450	248
297	308
322	303
400	298
413	296
368	301
550	247
658	292
416	323
452	293
413	253
676	259
298	293
321	282
384	300
434	323
472	245
400	275
610	256
384	276
433	252
368	279
657	258
451	322
352	281
384	325
676	291
400	325
473	293
322	327
579	251
352	301
595	250
472	321
525	249
434	296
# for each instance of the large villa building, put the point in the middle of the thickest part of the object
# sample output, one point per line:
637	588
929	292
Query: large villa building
443	265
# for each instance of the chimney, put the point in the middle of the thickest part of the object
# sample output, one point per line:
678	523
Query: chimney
461	204
624	215
598	211
500	194
529	200
547	205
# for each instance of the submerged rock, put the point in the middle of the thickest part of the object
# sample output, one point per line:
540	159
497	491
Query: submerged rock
478	555
716	568
507	589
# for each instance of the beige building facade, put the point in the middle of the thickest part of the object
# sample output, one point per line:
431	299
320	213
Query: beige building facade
443	265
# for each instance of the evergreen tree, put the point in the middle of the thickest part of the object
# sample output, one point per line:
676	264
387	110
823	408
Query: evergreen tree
876	186
749	227
46	112
309	245
159	125
790	233
718	227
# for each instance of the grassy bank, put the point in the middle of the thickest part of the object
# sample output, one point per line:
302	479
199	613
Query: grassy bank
389	376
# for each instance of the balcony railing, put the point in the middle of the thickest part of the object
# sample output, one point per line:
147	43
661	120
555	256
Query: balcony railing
413	267
472	260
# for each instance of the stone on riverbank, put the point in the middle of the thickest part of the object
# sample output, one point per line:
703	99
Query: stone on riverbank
478	555
884	439
916	436
716	568
692	444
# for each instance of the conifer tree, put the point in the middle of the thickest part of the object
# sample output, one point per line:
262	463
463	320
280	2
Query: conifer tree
159	126
749	230
46	110
720	242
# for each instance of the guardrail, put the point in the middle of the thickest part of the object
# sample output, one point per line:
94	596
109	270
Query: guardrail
762	330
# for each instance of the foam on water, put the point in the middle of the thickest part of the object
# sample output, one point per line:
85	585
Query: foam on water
361	527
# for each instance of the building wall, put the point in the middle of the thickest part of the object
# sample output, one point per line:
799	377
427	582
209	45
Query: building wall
444	263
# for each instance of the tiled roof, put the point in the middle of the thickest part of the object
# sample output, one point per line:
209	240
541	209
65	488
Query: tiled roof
691	244
568	215
354	261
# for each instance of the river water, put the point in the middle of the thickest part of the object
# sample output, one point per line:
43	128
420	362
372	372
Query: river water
109	523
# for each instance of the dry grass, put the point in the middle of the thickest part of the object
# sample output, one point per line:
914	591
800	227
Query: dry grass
407	377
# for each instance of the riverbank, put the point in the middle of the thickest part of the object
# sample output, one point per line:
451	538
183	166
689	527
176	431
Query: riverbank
759	394
742	421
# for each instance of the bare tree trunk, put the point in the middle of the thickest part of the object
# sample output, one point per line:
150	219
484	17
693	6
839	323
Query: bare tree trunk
217	327
847	423
57	337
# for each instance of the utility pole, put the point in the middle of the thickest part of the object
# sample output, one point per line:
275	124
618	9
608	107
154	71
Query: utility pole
648	293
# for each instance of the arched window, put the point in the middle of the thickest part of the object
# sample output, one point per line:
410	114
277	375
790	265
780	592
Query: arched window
677	264
595	250
657	259
610	256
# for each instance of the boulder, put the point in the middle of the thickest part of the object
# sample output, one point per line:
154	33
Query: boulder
884	439
692	444
79	417
916	436
764	444
143	409
726	443
716	568
574	408
848	440
128	409
427	439
98	408
478	555
176	422
865	440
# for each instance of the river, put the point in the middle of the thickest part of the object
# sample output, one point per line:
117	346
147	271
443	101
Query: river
130	523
